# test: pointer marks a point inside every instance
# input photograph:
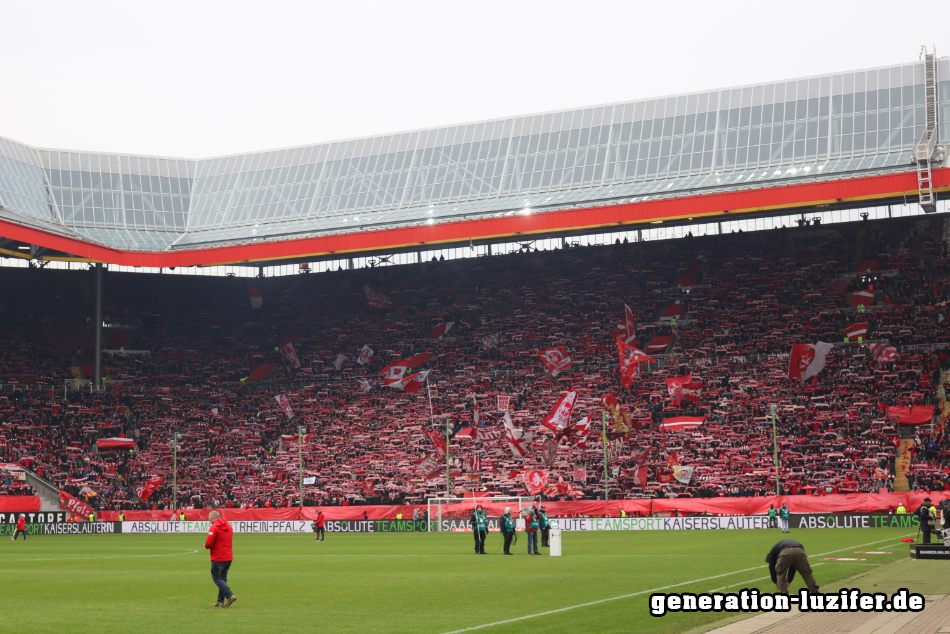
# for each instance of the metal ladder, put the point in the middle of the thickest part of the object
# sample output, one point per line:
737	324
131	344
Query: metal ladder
924	149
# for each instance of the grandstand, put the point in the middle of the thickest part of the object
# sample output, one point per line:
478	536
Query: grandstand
765	216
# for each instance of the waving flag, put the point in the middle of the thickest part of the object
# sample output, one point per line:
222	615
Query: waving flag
682	423
549	451
807	360
555	360
71	504
151	485
613	448
289	354
504	403
561	489
339	361
640	469
682	474
535	480
671	312
630	323
519	440
692	391
658	345
284	404
560	417
883	352
365	355
441	330
364	386
489	341
411	383
577	433
395	371
430	466
256	295
862	298
580	474
376	299
438	441
675	387
853	331
489	434
630	359
616	411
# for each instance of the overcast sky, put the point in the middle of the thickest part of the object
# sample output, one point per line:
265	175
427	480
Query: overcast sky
196	79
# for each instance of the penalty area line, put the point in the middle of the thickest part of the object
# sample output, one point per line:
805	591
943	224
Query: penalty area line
636	594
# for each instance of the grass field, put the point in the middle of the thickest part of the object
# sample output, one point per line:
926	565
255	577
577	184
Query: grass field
397	582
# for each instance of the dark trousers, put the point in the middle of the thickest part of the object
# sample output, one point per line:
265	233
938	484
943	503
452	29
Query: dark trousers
219	574
508	537
479	541
545	534
925	529
320	534
18	533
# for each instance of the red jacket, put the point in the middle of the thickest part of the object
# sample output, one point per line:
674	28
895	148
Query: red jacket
219	541
21	524
321	519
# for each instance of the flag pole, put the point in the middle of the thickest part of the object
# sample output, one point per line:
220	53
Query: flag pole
775	448
448	482
604	439
300	430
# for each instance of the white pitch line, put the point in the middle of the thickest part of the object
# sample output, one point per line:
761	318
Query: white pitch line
635	594
83	558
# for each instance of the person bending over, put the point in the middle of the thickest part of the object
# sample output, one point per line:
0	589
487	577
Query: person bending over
784	559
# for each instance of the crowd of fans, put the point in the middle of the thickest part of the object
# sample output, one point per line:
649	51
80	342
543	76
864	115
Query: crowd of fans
182	349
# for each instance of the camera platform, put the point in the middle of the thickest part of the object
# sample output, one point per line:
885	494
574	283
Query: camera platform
929	551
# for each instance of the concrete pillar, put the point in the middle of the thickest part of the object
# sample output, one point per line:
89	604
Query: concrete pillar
97	379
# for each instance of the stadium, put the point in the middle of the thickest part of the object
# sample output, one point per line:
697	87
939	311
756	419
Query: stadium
656	318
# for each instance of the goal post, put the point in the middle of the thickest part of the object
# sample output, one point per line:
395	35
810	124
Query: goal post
460	509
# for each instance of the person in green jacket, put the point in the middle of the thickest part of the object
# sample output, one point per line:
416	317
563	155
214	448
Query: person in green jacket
784	515
532	523
545	527
507	529
479	528
772	515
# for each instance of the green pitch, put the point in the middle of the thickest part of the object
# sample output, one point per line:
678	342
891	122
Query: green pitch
430	583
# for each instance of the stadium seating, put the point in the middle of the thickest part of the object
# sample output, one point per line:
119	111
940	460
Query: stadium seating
747	299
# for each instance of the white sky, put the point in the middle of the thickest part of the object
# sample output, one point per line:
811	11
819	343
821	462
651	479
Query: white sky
196	79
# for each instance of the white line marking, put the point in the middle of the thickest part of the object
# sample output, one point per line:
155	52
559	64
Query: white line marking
635	594
81	558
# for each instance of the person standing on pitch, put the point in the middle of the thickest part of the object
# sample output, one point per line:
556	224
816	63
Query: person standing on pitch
532	523
479	528
20	528
318	527
784	559
507	529
772	516
219	543
545	527
784	515
926	517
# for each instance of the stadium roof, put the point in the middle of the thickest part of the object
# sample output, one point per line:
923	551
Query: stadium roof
758	149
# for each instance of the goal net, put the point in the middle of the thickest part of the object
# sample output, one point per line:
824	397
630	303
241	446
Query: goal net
447	514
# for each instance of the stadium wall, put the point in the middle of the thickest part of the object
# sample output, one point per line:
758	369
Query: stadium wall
800	504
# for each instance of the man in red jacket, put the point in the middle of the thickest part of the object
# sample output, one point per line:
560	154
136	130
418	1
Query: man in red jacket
20	528
318	526
219	543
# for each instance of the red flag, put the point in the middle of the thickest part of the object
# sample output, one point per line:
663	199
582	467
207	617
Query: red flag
430	466
671	312
146	490
285	405
580	474
437	440
411	383
365	355
256	295
365	386
398	370
630	359
441	330
535	480
555	360
290	355
682	423
640	470
675	387
692	391
577	433
807	360
560	416
71	504
911	415
862	298
376	299
853	331
658	345
476	463
630	323
883	352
